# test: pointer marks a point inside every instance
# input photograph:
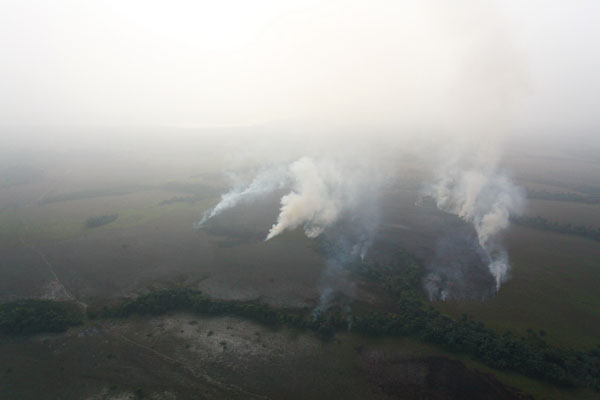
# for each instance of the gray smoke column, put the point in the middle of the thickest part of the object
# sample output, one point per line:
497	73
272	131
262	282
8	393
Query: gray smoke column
486	198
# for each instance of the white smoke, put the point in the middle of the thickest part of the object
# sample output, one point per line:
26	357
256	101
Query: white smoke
265	182
333	195
322	191
486	198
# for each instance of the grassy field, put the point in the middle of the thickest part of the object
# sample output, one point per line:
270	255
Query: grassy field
553	287
226	357
554	280
223	358
565	212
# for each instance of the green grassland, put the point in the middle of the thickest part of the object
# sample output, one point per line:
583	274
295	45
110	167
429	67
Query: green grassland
66	219
553	286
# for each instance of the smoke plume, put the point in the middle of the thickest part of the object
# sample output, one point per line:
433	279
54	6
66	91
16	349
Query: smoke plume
486	198
322	191
267	181
331	197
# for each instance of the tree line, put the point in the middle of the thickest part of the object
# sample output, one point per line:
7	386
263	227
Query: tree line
411	316
26	317
530	356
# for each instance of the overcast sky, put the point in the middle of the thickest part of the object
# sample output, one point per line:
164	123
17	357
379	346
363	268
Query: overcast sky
533	64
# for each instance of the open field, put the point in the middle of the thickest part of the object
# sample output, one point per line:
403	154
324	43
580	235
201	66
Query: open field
221	358
565	212
275	200
554	287
47	252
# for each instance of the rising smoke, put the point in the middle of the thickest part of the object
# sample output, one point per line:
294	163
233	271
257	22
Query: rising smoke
321	192
456	82
336	198
485	197
266	181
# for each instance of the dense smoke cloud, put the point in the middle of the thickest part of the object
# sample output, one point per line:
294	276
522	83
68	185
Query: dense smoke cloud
315	201
321	193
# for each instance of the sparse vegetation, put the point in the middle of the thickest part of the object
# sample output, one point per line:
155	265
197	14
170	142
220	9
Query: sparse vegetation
94	222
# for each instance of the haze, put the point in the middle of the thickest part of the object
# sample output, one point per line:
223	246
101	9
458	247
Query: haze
299	199
245	63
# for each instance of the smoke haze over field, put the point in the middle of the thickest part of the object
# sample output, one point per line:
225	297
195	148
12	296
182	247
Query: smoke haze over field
485	197
317	100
